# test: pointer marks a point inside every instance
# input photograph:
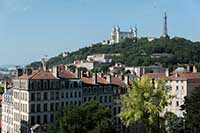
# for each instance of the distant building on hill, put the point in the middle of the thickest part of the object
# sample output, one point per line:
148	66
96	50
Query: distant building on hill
117	35
101	58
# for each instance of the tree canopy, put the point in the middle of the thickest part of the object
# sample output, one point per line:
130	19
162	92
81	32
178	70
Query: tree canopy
143	102
192	108
90	117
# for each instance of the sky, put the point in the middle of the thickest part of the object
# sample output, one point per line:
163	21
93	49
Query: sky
30	29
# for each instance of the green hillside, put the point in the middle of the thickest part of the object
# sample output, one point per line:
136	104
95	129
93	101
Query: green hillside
139	53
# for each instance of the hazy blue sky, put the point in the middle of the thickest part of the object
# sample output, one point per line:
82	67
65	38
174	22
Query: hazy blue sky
30	29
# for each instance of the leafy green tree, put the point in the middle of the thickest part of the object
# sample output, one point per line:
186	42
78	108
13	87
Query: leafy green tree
192	108
1	90
172	123
144	102
90	117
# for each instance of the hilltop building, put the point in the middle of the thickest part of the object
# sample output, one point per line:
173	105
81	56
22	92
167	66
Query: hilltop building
117	35
101	58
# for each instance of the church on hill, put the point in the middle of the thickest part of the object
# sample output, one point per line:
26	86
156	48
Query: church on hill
117	35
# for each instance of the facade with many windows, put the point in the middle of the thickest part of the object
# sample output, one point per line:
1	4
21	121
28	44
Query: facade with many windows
37	95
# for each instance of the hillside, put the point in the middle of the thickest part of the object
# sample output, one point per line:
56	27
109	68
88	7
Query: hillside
179	51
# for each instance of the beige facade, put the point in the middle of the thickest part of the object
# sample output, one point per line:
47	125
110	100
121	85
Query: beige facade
180	84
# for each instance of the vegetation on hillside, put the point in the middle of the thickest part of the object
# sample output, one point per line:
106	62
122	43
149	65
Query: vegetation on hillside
139	53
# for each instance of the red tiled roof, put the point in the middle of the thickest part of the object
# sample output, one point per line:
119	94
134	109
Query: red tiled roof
38	75
183	75
66	74
114	81
117	81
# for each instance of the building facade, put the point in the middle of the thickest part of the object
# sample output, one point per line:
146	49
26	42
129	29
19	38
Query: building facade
37	95
181	82
7	112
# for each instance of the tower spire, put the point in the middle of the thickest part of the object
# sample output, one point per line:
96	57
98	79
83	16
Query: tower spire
165	34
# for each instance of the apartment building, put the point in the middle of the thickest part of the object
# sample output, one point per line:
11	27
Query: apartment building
181	82
37	95
7	111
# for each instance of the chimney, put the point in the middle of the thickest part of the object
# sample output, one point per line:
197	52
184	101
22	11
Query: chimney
55	71
188	68
95	78
5	86
78	72
19	72
44	64
126	79
108	78
194	69
167	72
176	75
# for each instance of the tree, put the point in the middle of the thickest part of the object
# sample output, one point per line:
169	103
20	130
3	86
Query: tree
144	102
90	117
192	108
1	90
172	123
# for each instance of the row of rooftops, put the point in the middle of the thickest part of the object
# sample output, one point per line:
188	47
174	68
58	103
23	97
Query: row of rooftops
179	73
59	72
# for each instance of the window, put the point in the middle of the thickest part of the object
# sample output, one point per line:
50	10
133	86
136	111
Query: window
66	94
85	99
45	96
52	95
79	94
52	106
71	95
62	104
101	99
38	108
110	99
45	107
62	95
176	88
57	106
177	103
105	100
38	119
32	120
45	118
57	95
51	118
38	96
75	94
32	96
32	108
75	85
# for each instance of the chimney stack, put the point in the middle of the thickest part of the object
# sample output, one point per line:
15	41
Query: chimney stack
5	86
108	78
78	72
194	69
167	72
188	68
95	78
